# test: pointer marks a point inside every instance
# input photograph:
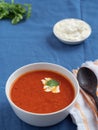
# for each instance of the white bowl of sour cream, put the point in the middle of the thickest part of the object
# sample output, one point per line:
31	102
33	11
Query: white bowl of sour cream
72	31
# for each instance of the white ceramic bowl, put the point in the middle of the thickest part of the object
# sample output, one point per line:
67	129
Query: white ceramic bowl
72	31
41	119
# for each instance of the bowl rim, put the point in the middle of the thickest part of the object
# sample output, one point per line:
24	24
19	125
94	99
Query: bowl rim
42	114
72	41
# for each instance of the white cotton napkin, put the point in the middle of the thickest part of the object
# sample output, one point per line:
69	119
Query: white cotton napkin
84	113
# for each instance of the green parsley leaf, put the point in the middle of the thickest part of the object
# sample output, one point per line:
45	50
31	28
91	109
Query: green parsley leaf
52	83
14	12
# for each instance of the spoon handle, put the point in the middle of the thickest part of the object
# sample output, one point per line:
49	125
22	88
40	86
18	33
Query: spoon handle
96	101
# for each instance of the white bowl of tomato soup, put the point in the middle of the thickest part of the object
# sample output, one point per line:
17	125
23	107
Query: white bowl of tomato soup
42	94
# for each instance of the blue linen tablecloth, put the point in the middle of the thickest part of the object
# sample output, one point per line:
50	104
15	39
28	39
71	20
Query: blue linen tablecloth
33	41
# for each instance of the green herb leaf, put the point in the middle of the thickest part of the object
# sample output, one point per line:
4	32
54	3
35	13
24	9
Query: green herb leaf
15	12
3	13
52	83
17	18
29	9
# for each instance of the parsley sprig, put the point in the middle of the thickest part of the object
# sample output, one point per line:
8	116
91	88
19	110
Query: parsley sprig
14	12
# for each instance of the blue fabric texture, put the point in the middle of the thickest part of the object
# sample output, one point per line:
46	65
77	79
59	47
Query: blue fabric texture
33	41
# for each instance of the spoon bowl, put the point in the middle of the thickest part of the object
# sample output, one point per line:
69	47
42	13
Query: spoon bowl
88	82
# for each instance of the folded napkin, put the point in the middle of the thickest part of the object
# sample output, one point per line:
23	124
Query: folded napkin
84	113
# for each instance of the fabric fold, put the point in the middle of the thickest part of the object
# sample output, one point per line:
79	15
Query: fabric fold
84	113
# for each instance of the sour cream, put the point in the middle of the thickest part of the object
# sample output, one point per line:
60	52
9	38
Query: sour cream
47	88
72	30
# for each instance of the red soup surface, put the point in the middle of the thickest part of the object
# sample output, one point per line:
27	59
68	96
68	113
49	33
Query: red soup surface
27	92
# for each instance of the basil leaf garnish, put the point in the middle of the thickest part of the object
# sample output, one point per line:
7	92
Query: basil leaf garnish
52	83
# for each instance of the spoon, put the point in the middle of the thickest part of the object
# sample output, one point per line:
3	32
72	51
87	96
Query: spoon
88	82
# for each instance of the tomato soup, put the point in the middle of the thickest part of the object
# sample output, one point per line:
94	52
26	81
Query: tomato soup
32	93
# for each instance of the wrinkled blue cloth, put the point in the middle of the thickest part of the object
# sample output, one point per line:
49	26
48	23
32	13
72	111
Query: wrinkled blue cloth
33	41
